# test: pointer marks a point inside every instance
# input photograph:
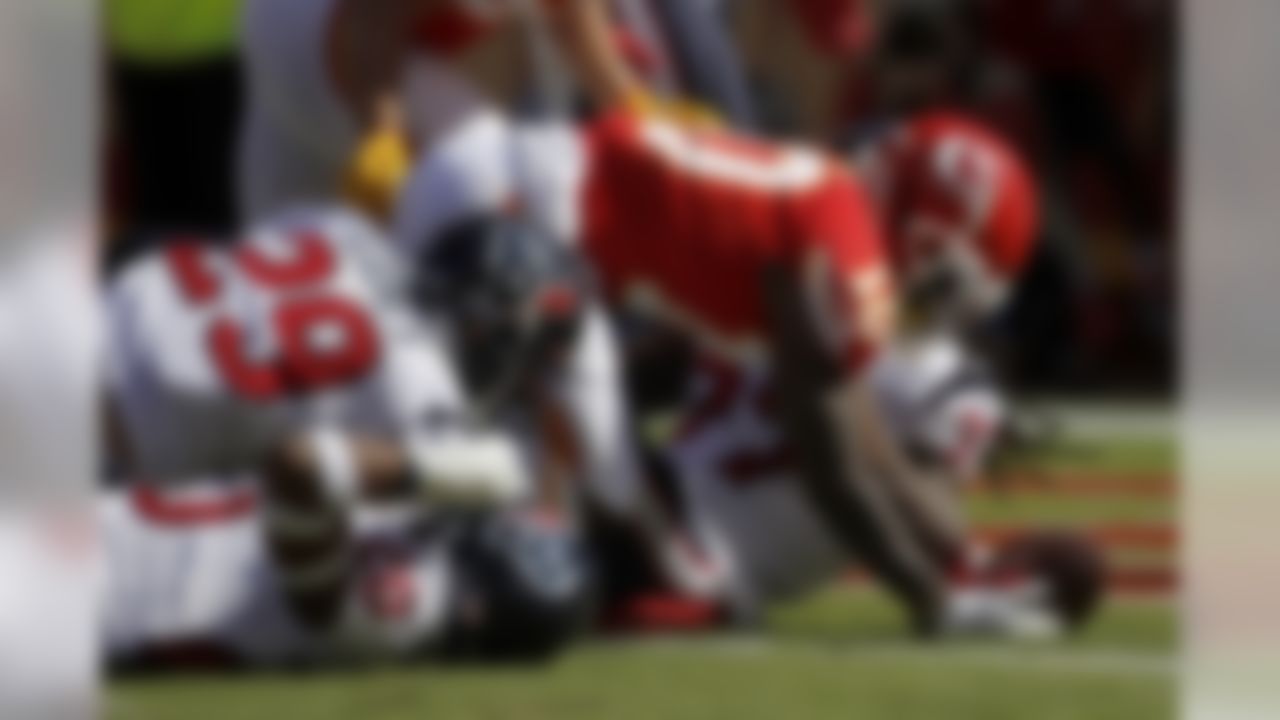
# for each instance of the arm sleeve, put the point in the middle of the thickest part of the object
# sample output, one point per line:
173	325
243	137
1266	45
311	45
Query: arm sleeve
466	172
592	395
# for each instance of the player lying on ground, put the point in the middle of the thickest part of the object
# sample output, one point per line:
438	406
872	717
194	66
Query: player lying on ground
305	357
194	584
765	252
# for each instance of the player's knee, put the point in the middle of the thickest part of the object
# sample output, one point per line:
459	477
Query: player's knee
524	591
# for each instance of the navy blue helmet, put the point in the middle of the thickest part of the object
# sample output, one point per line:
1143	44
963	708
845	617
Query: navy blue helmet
513	296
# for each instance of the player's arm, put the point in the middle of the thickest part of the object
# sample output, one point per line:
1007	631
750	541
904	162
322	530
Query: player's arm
584	30
314	480
446	468
852	468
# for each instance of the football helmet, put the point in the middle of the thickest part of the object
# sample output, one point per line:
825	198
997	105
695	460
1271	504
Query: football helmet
512	297
960	210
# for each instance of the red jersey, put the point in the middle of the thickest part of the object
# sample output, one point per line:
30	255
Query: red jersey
690	220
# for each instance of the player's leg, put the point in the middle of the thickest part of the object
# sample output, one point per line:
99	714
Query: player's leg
590	395
850	465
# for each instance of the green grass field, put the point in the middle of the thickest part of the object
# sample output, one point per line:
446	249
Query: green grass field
841	654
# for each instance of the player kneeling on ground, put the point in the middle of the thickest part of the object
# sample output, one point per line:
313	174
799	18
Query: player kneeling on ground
960	210
202	578
732	456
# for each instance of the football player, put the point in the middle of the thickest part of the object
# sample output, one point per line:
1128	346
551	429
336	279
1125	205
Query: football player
195	580
297	349
960	217
757	252
576	404
306	357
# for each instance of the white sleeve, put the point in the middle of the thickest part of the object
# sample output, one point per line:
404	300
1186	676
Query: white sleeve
457	464
467	171
550	167
419	384
591	393
939	402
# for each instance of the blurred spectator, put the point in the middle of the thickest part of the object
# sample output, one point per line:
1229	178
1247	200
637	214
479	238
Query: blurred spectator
710	65
1098	74
174	95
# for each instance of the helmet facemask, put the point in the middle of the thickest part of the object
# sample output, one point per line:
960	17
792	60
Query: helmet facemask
946	279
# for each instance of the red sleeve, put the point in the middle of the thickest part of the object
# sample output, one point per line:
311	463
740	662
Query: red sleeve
614	125
848	276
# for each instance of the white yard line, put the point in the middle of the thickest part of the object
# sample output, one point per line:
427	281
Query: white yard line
1092	421
1010	658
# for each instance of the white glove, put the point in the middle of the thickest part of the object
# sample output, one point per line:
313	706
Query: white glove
474	469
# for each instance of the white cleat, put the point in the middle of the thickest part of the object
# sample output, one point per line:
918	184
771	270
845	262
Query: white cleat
698	564
1019	612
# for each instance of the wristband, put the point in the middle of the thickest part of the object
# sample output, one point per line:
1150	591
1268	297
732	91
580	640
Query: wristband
468	469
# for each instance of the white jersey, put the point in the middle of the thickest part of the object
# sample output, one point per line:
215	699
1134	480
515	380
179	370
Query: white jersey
189	568
487	162
215	353
738	472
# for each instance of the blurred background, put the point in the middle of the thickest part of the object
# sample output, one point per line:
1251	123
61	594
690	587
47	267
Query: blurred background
1085	88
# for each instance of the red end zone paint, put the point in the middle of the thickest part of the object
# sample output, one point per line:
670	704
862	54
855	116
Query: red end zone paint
1145	579
1160	537
1159	581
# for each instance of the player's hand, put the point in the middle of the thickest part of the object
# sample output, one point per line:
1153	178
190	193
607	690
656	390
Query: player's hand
379	167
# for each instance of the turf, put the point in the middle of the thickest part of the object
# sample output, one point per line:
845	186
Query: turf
721	680
839	654
1069	511
1144	455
